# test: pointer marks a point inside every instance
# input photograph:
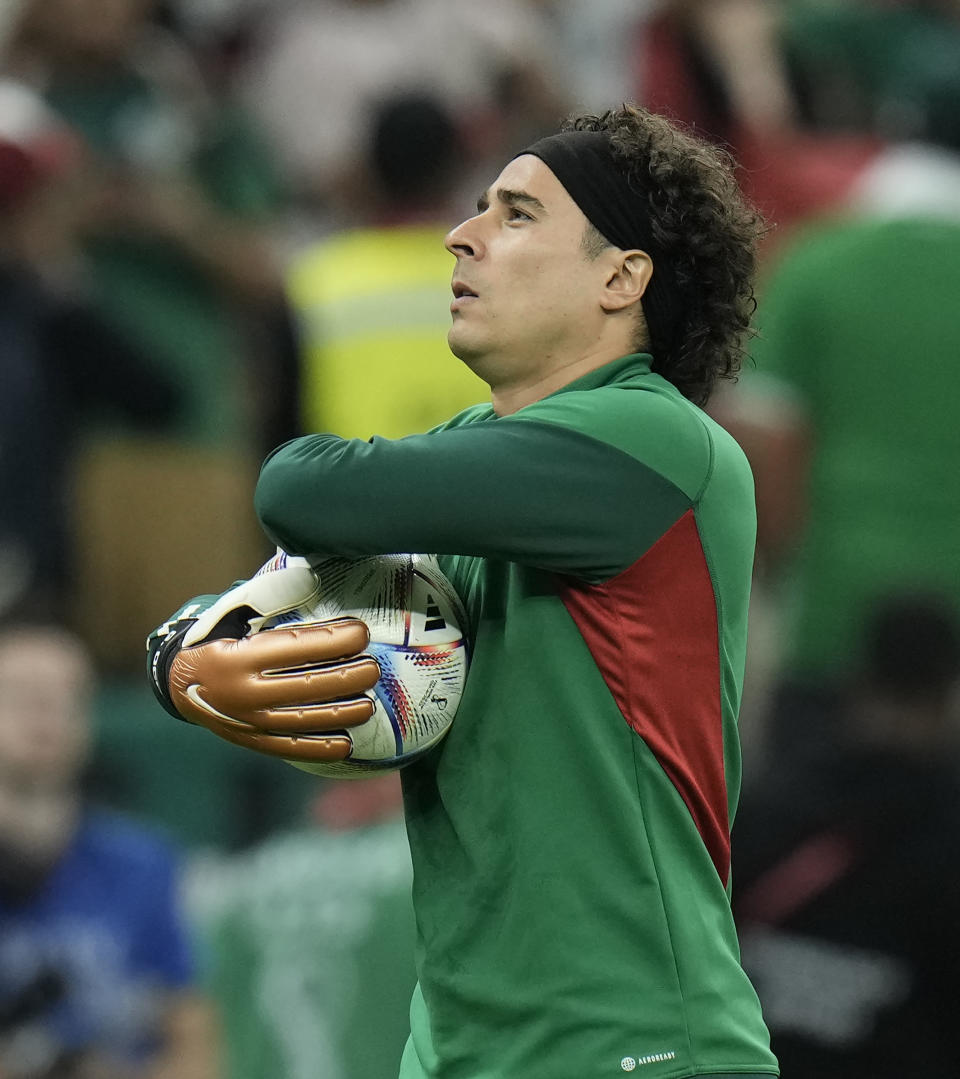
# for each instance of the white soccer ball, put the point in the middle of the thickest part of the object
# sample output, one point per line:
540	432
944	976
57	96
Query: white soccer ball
417	635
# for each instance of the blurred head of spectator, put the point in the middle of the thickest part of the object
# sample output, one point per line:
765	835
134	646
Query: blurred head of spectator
84	33
46	681
922	100
907	697
414	159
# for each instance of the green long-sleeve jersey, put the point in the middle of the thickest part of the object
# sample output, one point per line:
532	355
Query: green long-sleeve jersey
570	837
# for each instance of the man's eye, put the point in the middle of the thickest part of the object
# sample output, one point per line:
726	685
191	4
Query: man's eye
516	214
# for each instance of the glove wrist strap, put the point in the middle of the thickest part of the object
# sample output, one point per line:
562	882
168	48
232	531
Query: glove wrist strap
162	654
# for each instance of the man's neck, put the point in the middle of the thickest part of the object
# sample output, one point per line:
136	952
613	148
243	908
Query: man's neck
511	397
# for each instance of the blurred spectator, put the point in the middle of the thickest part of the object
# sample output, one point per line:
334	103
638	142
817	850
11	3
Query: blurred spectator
60	362
850	423
846	879
849	61
717	65
312	938
722	67
321	66
761	67
181	262
374	302
95	967
188	196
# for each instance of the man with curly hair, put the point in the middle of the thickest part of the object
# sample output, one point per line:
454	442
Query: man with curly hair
571	835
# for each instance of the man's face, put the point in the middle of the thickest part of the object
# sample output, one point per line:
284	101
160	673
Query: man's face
526	294
45	684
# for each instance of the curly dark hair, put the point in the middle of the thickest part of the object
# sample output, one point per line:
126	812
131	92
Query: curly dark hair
707	232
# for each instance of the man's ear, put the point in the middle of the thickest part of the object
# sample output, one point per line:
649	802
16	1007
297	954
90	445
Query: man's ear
628	280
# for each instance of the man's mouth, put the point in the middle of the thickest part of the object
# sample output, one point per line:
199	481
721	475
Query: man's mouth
460	291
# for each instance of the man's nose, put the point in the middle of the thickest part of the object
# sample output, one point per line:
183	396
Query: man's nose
463	241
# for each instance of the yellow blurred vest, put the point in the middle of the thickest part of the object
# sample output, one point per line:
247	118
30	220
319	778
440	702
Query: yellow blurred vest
373	311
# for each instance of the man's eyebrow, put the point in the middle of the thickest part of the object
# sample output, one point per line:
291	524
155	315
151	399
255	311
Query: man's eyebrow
510	197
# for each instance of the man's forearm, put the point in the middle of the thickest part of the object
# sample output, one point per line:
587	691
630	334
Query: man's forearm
530	492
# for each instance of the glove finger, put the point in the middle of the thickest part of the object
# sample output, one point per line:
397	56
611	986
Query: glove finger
336	682
293	711
312	749
304	646
227	661
248	696
315	718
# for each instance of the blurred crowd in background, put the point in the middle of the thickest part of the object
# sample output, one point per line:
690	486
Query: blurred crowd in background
221	226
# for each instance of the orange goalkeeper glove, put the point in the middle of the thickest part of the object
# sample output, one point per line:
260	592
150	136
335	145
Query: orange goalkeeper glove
288	692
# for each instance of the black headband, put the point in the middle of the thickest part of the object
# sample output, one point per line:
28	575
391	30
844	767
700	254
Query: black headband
584	162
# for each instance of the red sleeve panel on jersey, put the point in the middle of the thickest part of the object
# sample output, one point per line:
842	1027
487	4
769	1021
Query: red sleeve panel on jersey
653	633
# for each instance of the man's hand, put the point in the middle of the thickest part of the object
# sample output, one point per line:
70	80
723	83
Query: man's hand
280	691
287	692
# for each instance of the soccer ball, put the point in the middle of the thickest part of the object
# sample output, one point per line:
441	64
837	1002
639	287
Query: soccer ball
416	623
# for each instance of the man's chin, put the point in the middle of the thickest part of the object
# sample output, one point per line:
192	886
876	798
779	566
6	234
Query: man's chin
485	362
466	351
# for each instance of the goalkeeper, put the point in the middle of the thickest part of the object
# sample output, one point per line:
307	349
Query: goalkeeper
571	835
